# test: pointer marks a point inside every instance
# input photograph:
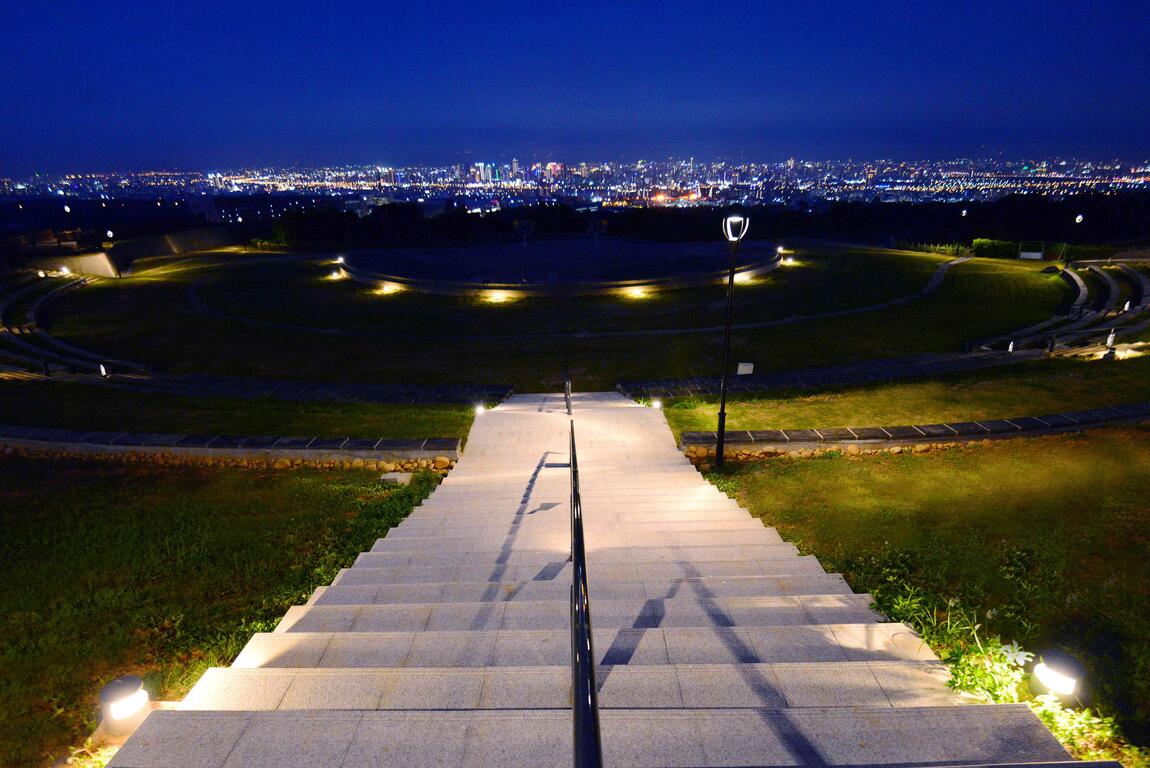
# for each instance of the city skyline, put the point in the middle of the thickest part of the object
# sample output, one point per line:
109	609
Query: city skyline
108	86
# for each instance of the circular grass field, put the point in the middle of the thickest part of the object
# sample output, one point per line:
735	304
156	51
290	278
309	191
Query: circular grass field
286	317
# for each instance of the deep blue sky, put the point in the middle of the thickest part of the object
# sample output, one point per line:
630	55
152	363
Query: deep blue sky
105	84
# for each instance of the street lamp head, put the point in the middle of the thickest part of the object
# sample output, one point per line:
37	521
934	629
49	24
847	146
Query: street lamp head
1079	219
110	234
963	211
735	227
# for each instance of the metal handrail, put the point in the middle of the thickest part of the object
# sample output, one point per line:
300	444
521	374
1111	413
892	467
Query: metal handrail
588	752
567	394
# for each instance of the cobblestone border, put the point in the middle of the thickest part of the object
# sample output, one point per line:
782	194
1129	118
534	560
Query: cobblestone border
699	447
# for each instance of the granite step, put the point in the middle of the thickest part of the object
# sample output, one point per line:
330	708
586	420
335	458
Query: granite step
615	646
594	540
936	736
671	686
540	557
554	614
559	569
340	593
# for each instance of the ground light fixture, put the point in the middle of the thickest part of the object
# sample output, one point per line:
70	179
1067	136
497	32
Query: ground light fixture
1060	674
338	259
656	403
480	409
103	371
734	229
335	275
41	273
65	270
123	705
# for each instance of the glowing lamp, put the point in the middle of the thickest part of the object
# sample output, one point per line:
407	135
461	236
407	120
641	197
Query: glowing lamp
67	209
780	250
743	278
335	275
963	211
103	371
636	292
1054	681
338	259
123	705
110	234
41	273
480	410
735	228
65	271
656	403
1079	219
386	289
789	261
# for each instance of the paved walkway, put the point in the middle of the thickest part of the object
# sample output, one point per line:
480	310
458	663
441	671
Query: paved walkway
863	372
447	643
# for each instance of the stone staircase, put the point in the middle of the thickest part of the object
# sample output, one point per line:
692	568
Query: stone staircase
717	644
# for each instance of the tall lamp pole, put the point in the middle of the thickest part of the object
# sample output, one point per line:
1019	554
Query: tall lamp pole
734	229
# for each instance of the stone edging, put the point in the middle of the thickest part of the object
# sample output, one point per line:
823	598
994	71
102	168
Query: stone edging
699	447
387	455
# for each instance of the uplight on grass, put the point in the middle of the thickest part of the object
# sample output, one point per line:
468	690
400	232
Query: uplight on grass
480	409
336	275
742	278
657	403
637	292
387	289
338	259
65	270
499	297
1055	681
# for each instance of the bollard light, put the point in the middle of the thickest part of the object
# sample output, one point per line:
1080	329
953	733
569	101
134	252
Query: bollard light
123	705
65	271
41	273
656	403
480	409
780	250
338	259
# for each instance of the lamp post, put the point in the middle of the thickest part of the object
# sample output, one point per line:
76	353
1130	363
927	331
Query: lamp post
734	229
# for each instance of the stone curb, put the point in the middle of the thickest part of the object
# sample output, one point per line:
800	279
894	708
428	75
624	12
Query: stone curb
278	452
699	447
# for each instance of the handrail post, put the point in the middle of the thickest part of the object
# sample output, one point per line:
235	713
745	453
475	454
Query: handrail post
588	751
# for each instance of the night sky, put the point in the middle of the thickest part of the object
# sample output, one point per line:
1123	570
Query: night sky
103	85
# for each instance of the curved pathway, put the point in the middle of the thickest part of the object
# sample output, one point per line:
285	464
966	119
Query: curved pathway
931	286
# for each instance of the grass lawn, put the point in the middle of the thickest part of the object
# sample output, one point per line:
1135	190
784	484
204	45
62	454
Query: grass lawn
80	406
1046	538
160	572
148	318
1030	389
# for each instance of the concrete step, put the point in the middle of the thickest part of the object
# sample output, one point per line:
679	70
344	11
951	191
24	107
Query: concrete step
595	558
671	686
559	569
614	646
554	614
590	526
542	515
365	593
595	539
934	736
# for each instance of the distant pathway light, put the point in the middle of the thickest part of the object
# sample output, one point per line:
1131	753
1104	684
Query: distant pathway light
480	409
110	234
1079	219
656	403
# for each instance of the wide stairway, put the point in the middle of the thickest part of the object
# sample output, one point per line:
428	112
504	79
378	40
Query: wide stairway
448	644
